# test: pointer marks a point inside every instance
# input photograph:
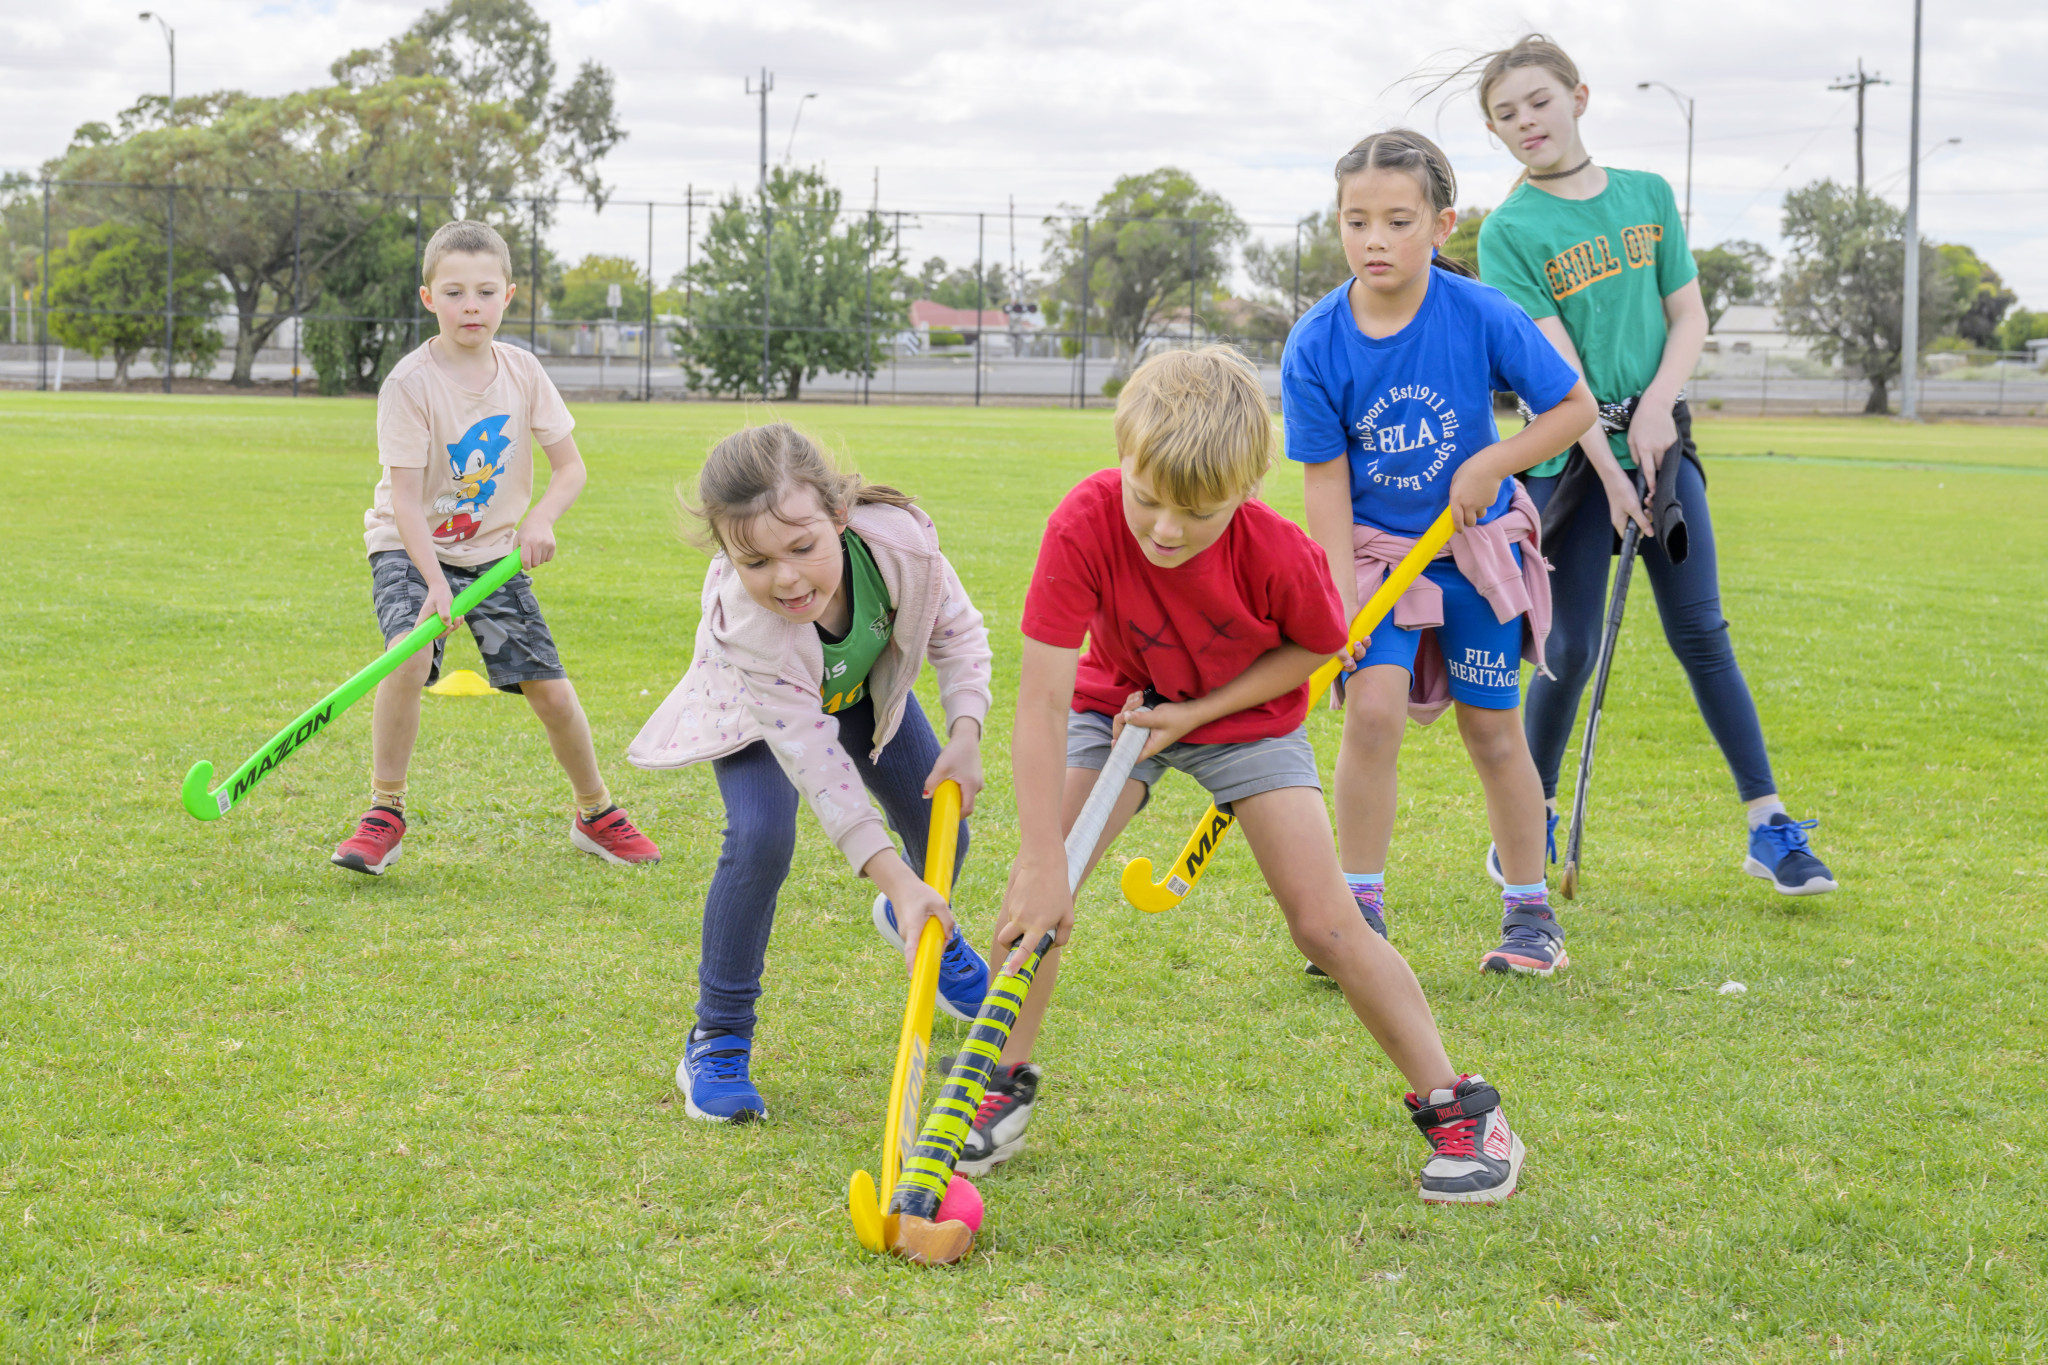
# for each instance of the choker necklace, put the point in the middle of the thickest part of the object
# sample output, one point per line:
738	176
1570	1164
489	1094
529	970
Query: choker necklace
1560	175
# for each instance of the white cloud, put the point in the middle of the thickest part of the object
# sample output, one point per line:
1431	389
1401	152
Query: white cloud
962	106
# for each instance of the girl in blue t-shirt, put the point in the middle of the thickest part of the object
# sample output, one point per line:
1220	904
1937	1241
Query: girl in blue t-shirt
1387	387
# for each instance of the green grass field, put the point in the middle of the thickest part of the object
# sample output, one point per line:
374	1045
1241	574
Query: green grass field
254	1107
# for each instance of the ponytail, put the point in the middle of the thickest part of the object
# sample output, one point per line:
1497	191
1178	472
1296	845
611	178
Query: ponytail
747	473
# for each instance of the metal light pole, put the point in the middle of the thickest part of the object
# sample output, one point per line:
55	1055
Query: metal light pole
1909	324
170	206
1684	107
171	42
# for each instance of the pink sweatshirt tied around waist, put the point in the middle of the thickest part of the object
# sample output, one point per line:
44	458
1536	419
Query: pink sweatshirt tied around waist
1484	556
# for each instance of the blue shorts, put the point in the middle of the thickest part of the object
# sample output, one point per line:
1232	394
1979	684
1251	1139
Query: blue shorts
1483	656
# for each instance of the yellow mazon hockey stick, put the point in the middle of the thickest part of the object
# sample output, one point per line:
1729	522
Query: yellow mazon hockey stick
906	1089
1152	897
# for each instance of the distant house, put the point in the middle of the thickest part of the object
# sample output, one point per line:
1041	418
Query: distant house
1752	329
925	316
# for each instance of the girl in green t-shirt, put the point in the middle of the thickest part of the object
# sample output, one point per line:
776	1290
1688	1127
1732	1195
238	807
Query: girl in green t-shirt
1598	257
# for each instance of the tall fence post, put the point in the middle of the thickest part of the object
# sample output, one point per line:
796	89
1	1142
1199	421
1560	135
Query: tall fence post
1081	390
896	361
414	294
43	313
298	299
170	279
1764	404
647	331
533	282
767	285
1194	240
1297	271
980	296
867	327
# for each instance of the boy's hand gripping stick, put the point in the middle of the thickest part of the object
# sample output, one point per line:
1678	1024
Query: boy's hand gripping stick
1138	887
906	1087
929	1169
202	804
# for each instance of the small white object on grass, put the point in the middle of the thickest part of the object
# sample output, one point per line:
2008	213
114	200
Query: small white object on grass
1733	988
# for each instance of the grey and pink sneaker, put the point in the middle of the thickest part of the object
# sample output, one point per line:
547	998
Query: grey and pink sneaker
1475	1157
1531	939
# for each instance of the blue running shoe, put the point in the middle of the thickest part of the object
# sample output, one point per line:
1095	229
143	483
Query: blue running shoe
1531	942
1778	852
713	1079
1500	878
1369	905
963	973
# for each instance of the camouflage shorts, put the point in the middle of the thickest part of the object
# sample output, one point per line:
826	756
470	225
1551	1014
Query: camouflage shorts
507	626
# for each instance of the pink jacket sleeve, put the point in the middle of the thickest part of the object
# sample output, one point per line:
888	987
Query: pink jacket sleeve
806	743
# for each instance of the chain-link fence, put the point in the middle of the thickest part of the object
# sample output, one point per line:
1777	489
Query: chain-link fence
786	292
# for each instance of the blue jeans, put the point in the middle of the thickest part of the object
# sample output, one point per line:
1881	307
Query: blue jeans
1688	600
760	840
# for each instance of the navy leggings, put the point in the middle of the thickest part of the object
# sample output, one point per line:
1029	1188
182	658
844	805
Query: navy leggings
1688	600
760	840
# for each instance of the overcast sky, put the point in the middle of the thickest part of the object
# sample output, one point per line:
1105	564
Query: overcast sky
961	106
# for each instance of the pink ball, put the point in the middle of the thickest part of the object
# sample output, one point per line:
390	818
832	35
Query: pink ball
962	1202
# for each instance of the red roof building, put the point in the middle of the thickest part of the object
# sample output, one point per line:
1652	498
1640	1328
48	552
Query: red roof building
925	315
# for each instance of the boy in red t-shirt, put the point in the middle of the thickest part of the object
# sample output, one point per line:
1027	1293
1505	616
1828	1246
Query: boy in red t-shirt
1187	587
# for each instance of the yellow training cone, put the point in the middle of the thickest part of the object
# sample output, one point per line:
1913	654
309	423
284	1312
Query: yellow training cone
461	683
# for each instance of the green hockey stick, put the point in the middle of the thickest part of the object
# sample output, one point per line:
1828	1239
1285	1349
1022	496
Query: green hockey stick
202	804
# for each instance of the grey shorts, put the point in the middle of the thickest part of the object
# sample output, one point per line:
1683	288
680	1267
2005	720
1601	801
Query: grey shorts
507	626
1230	772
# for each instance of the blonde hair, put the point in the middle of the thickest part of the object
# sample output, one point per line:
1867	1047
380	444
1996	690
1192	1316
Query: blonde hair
467	237
746	474
1197	425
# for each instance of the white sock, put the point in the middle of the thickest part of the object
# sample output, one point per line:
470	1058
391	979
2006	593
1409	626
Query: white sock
1763	808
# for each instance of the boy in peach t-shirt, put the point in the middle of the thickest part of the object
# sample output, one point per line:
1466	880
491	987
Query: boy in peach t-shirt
457	421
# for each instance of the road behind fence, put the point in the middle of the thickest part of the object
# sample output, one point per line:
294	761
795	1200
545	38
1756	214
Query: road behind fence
1046	341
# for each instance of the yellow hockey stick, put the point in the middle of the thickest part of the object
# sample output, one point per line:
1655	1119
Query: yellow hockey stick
1152	897
906	1089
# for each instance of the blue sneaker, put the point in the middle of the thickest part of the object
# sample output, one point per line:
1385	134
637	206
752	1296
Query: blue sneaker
713	1079
963	973
1500	878
1778	852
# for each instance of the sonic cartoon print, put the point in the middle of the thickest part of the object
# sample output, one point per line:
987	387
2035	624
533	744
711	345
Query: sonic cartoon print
475	462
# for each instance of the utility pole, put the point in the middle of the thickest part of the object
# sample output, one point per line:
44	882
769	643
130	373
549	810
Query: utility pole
1859	82
1909	342
767	84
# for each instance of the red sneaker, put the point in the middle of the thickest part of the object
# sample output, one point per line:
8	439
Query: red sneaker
375	845
611	836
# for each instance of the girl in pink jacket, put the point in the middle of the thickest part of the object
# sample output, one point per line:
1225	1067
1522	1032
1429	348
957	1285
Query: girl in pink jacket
823	600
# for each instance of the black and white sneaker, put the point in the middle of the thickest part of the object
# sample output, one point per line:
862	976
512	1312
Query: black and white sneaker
1476	1156
997	1133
